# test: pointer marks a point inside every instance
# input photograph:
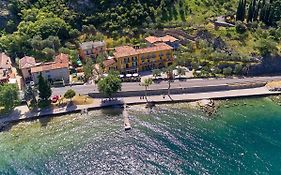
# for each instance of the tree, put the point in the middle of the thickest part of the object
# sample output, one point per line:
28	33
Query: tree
44	88
156	73
237	69
240	27
227	71
88	69
170	77
267	46
251	12
241	10
8	96
181	71
69	94
110	84
30	94
147	82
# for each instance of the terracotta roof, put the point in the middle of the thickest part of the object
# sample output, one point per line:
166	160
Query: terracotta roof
61	61
154	39
124	51
62	58
109	62
27	62
49	66
5	61
155	48
129	51
90	45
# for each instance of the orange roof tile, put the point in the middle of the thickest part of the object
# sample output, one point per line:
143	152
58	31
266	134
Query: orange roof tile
62	58
154	39
5	61
109	62
125	51
61	61
27	62
49	66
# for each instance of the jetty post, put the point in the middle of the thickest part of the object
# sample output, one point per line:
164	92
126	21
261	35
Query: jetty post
127	125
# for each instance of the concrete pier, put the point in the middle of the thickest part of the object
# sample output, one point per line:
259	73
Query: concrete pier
127	125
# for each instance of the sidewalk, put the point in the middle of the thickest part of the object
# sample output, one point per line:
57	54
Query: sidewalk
22	112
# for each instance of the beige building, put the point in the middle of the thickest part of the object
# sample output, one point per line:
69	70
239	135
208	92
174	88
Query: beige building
58	70
25	65
92	49
131	60
5	68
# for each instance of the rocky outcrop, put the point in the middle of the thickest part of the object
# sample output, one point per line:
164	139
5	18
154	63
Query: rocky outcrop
208	106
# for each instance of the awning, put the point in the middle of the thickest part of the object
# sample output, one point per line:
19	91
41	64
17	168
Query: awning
128	75
121	76
135	75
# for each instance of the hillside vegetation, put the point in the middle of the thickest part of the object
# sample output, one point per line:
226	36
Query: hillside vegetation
41	28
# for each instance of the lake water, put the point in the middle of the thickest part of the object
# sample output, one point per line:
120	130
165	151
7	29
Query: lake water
243	138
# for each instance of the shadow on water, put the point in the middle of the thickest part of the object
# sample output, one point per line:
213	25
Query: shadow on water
112	111
44	121
5	127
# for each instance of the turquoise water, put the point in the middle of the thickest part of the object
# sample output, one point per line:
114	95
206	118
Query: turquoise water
243	138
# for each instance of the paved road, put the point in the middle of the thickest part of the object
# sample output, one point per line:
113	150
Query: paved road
22	112
85	89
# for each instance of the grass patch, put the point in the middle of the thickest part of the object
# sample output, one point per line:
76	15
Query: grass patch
77	100
82	100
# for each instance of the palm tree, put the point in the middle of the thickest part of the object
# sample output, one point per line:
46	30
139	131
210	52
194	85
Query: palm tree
170	76
147	82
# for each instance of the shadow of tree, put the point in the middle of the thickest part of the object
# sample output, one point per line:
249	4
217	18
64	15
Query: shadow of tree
44	121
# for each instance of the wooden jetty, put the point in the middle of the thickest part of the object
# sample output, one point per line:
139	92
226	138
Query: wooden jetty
127	125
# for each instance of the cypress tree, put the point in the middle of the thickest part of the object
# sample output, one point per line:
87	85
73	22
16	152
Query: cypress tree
250	12
257	12
244	9
254	10
44	88
239	12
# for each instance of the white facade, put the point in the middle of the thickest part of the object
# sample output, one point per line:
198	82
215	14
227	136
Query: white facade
54	75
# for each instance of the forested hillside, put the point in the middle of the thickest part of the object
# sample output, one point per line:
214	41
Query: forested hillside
41	28
67	19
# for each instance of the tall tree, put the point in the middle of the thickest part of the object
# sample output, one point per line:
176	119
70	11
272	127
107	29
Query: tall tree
30	94
147	82
110	84
88	69
240	13
250	12
170	77
8	96
44	88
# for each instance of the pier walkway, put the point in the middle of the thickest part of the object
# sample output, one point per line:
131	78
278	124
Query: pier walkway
22	112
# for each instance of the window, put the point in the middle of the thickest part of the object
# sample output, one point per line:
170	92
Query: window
142	59
168	55
134	64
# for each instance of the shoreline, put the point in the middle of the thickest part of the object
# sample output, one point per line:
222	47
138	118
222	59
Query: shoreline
20	114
